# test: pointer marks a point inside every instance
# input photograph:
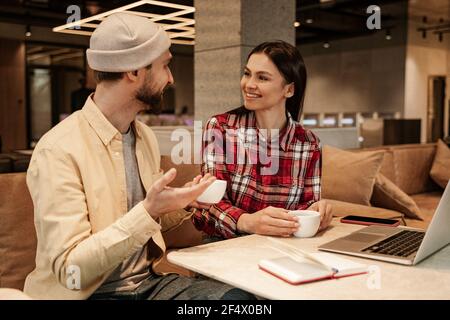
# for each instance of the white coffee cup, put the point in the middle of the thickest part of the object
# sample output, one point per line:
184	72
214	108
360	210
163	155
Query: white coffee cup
214	193
309	221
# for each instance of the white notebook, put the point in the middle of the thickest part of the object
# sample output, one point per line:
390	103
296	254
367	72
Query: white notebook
314	267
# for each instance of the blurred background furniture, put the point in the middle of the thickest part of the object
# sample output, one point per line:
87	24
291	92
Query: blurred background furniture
371	131
401	131
447	140
14	162
5	164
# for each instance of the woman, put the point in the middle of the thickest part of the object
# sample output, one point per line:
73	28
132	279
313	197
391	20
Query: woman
271	163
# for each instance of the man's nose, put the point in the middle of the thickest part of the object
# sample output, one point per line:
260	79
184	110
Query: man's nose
171	80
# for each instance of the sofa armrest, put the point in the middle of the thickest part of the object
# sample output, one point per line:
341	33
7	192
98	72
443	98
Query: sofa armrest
185	235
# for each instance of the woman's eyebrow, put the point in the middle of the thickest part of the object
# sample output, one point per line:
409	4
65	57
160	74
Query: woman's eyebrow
259	72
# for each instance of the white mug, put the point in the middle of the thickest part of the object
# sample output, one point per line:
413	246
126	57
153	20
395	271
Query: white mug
309	222
214	193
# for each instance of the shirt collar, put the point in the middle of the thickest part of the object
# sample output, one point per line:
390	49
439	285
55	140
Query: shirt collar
285	135
104	129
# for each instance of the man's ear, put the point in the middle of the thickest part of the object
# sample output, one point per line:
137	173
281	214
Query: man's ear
132	75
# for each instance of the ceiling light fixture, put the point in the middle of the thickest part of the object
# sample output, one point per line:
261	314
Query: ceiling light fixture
326	45
436	28
182	29
309	20
28	31
388	35
296	24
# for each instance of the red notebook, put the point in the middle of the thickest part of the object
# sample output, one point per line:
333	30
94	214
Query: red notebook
297	270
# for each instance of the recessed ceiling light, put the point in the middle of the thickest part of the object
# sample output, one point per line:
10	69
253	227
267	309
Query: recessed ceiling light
309	20
326	45
296	24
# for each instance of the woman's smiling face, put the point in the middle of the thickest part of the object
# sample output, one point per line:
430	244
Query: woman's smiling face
263	87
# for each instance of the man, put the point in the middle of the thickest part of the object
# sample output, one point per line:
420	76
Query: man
101	202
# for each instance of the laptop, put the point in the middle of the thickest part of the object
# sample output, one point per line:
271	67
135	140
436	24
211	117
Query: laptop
401	245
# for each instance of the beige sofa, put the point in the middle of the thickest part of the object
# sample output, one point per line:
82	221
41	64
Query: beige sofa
408	166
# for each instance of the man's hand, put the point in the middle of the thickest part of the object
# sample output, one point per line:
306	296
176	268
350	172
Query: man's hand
161	199
269	221
196	204
324	209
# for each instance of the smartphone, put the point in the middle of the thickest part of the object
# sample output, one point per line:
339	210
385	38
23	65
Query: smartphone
369	221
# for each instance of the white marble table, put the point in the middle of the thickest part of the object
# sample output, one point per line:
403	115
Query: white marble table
235	262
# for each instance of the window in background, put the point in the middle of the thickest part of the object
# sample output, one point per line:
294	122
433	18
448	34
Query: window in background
348	120
40	102
330	120
56	85
369	115
310	120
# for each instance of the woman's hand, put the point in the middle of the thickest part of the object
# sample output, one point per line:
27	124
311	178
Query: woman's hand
324	209
196	204
269	221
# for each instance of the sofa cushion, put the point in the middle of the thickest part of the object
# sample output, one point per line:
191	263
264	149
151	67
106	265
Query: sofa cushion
17	232
427	203
440	170
387	166
412	167
342	208
387	195
349	176
185	172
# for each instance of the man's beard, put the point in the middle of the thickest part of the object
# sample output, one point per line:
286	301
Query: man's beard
151	100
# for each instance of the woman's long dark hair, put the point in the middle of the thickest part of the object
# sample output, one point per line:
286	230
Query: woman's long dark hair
290	63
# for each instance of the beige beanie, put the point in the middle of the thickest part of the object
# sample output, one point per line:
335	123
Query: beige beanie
126	42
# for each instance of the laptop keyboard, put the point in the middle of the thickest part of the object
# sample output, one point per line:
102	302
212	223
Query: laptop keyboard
401	244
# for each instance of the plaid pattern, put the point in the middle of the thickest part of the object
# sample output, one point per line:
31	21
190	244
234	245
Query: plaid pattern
236	151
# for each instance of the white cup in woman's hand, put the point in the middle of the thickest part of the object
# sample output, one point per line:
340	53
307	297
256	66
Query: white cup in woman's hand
214	193
309	223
